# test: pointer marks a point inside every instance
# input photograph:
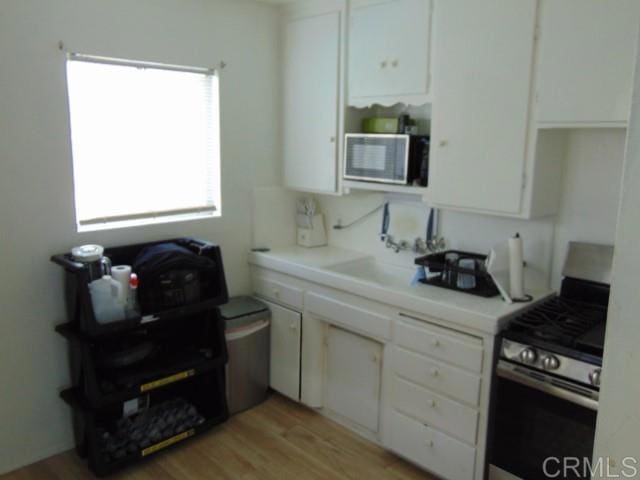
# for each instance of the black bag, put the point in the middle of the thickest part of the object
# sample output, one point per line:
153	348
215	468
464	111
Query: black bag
170	276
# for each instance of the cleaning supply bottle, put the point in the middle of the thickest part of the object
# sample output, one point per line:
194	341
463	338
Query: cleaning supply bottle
132	296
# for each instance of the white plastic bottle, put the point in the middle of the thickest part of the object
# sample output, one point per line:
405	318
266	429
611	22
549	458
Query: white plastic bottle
105	294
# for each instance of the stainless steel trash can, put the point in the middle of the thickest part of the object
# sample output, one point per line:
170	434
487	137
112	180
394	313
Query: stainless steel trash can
247	324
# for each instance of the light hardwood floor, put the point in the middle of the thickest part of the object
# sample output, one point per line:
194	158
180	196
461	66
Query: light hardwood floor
276	440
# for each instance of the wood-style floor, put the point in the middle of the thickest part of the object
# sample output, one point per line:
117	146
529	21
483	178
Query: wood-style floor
277	440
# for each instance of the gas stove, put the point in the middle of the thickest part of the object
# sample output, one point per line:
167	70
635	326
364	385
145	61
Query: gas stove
562	338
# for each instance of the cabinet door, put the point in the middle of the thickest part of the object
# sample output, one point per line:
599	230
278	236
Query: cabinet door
483	54
353	377
286	327
389	49
311	100
586	60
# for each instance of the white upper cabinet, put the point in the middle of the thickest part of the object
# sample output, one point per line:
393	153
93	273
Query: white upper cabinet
482	67
312	110
586	61
389	45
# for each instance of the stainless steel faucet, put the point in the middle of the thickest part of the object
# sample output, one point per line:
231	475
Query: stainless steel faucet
420	246
395	246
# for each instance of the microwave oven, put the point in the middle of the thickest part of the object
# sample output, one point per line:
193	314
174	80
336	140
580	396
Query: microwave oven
397	159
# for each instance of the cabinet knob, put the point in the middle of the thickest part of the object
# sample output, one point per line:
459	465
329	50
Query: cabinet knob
375	358
435	342
431	443
276	292
443	143
332	139
293	326
433	404
395	63
383	64
434	372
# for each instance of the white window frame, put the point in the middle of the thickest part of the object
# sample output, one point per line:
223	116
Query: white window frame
165	215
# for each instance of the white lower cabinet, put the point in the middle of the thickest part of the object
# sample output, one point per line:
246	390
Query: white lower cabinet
437	410
286	329
353	368
404	380
437	397
437	376
431	449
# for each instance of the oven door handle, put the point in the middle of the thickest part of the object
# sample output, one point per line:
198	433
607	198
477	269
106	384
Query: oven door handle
524	379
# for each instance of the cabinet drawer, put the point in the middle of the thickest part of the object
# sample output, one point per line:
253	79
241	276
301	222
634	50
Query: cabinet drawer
349	316
437	376
453	347
278	292
445	414
431	449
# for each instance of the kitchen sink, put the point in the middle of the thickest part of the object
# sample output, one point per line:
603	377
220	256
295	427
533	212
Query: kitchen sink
373	271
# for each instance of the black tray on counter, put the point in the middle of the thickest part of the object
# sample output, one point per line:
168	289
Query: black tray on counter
445	272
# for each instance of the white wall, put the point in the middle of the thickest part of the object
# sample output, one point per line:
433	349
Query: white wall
587	212
591	194
36	195
618	428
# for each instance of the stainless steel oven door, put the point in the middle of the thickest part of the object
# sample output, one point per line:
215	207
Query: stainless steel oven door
539	421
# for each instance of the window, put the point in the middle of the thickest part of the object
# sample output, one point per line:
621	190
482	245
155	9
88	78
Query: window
145	141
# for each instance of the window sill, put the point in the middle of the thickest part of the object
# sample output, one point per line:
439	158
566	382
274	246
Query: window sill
147	221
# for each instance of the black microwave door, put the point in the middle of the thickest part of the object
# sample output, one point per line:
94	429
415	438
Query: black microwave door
531	427
419	160
376	158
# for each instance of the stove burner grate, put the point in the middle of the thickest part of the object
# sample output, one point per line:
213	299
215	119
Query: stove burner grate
559	320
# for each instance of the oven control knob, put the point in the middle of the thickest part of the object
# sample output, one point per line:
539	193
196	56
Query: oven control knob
550	363
528	355
594	377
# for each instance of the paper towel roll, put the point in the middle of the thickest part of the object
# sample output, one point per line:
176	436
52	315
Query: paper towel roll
122	274
516	270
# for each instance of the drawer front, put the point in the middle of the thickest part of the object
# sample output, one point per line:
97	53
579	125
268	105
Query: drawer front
452	347
437	376
442	413
278	292
349	316
431	449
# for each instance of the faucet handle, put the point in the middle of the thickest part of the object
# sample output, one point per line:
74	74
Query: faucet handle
436	245
419	245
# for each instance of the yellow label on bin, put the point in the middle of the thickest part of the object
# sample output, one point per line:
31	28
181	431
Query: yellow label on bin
166	380
168	442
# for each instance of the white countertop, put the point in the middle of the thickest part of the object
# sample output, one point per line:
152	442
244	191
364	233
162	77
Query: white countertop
487	315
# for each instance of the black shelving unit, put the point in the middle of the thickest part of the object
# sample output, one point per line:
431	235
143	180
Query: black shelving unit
143	385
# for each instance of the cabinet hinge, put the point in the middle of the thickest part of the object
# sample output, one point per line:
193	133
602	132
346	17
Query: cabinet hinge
524	181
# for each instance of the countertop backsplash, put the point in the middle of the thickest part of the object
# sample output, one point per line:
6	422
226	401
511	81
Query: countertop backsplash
476	233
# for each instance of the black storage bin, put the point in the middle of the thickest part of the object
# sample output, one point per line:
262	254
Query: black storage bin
110	441
211	280
445	273
118	368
